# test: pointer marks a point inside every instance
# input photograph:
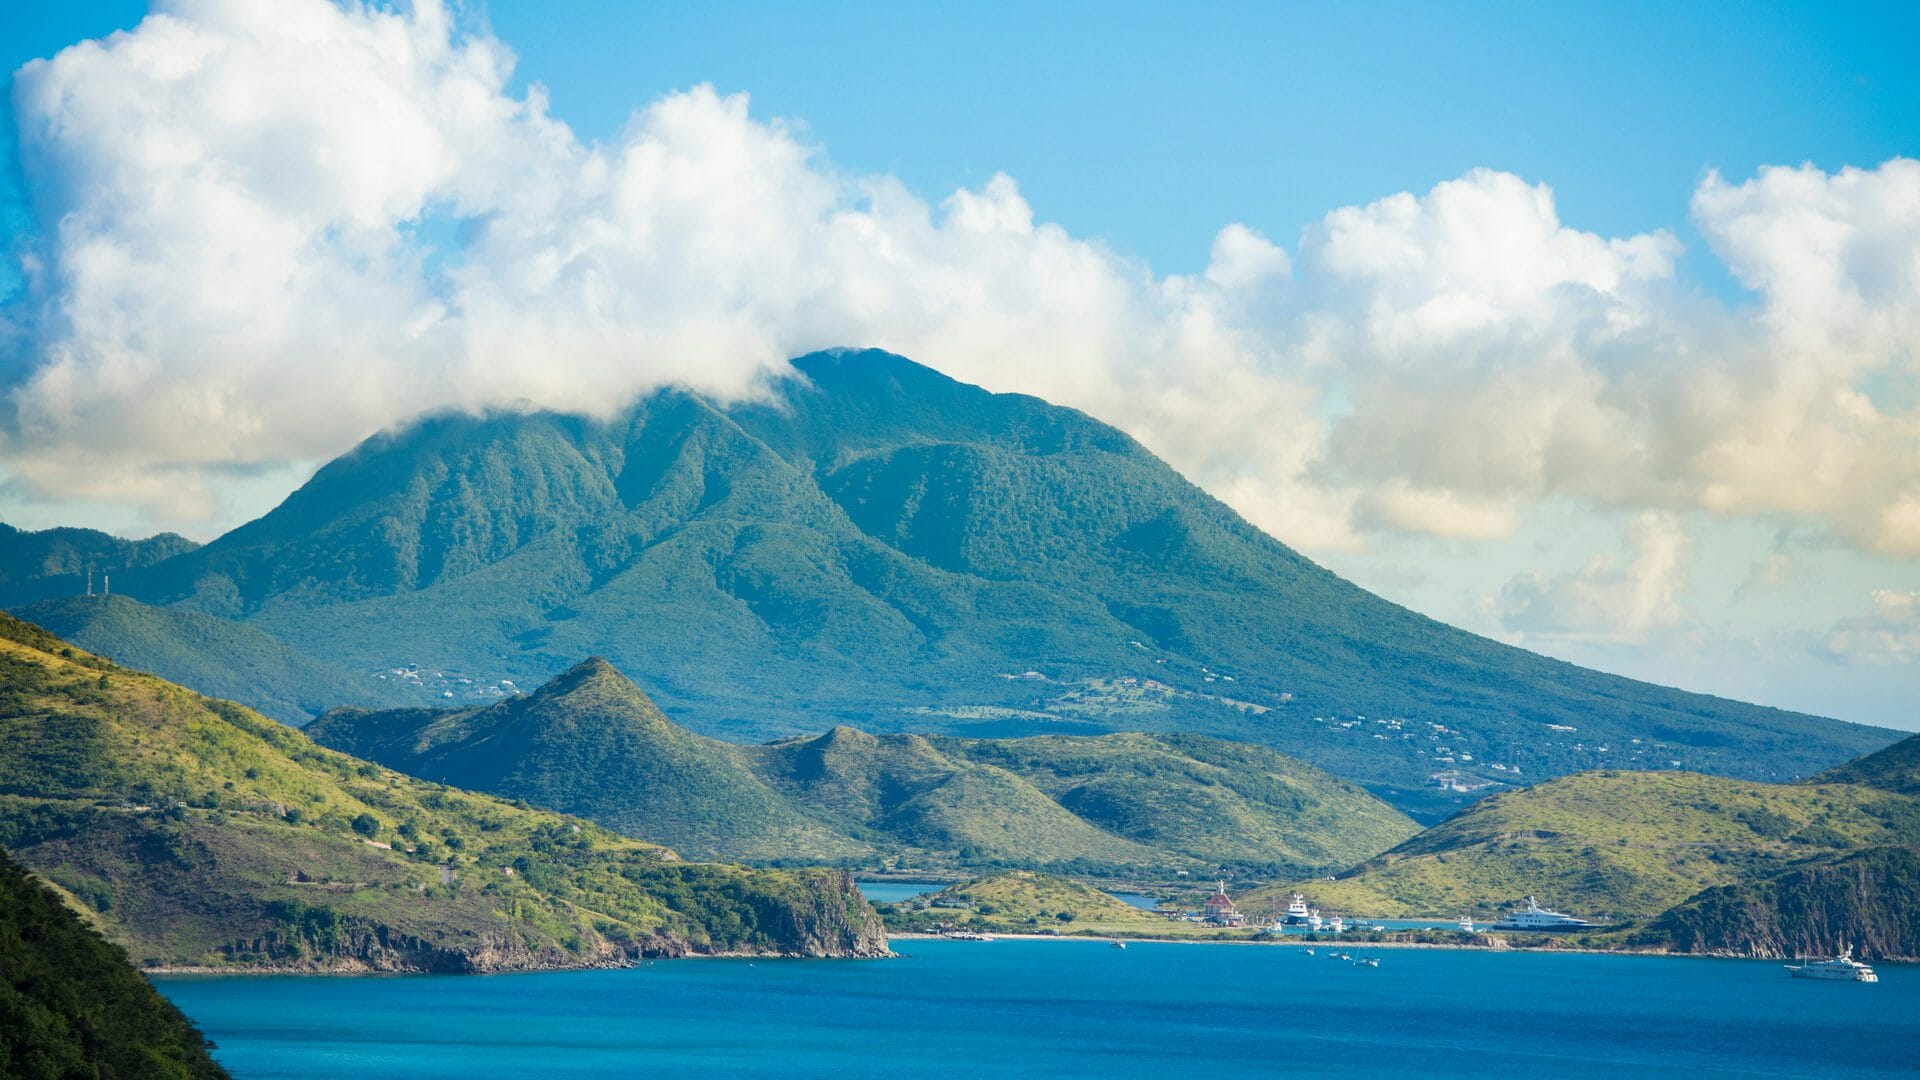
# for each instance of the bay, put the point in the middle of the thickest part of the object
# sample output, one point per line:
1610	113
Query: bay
1014	1008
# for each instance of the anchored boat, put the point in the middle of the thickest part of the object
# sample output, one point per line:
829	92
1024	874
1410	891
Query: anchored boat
1531	916
1842	968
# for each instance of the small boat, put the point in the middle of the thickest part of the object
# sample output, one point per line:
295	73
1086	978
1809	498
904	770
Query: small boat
1119	945
1842	968
1367	961
968	935
1309	952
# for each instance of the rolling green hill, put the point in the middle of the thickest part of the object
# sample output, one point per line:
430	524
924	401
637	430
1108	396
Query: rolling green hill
1897	768
217	657
880	546
590	742
55	562
1615	843
200	833
72	1006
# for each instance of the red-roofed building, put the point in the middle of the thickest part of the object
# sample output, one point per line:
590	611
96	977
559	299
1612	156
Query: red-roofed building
1220	910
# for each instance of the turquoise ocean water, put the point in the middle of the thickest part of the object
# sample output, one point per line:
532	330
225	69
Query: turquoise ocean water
1070	1008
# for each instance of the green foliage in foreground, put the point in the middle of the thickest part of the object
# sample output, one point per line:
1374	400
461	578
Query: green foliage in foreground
1616	844
72	1006
591	743
217	657
202	833
883	547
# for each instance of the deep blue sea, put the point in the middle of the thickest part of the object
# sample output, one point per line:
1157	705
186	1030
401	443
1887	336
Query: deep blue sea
1072	1008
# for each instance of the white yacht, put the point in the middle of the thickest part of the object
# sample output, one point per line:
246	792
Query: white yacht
1531	916
1843	967
1313	921
1337	925
1296	911
1466	923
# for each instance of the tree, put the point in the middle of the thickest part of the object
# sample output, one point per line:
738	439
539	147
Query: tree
367	825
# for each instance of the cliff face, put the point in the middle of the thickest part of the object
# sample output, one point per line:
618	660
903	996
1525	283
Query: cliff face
830	917
820	914
1869	900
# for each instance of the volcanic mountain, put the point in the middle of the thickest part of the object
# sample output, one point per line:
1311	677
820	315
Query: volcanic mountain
879	545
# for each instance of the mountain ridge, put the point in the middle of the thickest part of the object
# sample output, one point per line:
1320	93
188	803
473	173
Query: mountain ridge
882	546
590	742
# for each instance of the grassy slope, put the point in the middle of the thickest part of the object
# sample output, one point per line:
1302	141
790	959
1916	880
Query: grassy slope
1624	844
1868	900
1020	899
72	1006
1896	768
214	656
201	832
884	539
591	743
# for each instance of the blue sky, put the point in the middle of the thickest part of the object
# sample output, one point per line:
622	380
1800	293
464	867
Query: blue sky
1557	166
1150	126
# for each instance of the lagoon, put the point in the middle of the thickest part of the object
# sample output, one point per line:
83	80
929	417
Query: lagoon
1015	1008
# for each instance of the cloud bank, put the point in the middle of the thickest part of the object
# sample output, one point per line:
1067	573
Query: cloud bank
268	230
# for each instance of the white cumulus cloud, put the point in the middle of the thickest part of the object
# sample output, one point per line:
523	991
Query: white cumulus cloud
1607	600
267	229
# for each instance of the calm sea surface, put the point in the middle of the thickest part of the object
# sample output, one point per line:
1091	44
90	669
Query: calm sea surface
1068	1008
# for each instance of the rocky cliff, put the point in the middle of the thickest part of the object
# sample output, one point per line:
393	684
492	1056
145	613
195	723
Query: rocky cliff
1869	900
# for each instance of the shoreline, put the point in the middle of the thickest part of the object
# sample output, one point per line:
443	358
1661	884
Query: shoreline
1368	945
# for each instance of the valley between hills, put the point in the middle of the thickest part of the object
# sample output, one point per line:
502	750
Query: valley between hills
524	690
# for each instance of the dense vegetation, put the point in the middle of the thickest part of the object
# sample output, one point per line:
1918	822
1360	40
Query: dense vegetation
217	657
590	742
1867	900
886	548
72	1006
1897	768
199	832
1616	844
55	562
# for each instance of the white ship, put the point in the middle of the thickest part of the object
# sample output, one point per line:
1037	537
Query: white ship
1843	967
1531	916
1296	911
1337	925
1466	923
1313	921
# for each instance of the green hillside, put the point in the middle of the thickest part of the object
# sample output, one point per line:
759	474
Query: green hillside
883	547
1614	843
55	562
72	1006
591	743
200	833
1867	900
217	657
1025	902
1897	768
